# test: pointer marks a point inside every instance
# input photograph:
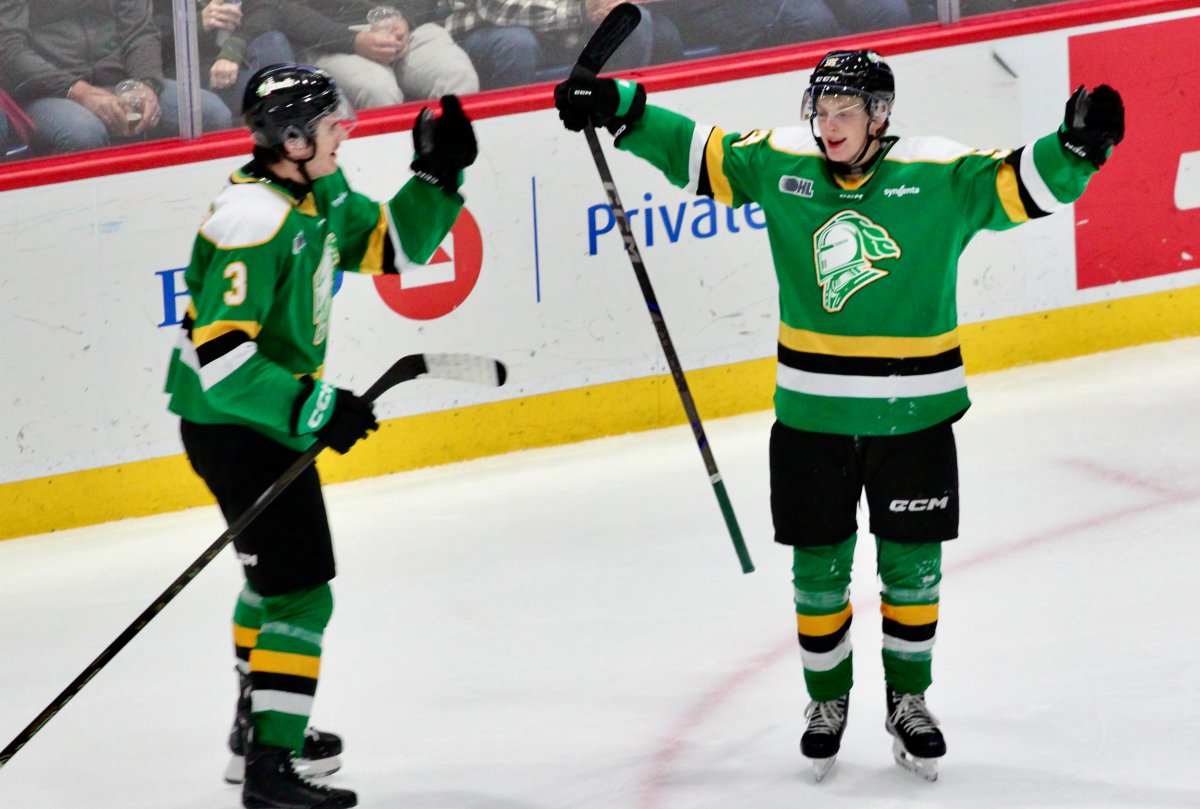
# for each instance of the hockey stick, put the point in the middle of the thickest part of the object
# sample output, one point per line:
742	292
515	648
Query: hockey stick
598	49
461	367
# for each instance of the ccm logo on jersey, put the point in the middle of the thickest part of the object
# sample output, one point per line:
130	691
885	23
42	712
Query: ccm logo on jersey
925	504
248	559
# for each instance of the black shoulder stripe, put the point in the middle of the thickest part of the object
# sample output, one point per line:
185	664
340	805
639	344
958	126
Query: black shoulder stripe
703	184
220	346
1031	207
388	261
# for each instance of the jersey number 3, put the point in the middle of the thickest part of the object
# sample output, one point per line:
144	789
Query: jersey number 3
236	294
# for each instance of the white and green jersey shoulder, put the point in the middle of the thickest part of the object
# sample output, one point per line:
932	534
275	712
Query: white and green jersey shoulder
868	338
261	280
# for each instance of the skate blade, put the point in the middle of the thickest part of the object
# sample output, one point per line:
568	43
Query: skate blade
235	771
926	768
821	767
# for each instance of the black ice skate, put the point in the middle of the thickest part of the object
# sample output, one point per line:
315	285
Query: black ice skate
918	741
823	737
321	755
272	783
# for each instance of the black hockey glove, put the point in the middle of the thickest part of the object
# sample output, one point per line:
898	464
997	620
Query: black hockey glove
1094	123
611	103
445	145
337	417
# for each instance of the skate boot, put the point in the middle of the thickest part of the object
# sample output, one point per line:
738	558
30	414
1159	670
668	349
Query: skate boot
918	741
271	782
321	755
823	737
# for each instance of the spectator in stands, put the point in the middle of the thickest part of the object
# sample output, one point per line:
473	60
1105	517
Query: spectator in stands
63	59
395	56
15	129
235	40
510	40
751	24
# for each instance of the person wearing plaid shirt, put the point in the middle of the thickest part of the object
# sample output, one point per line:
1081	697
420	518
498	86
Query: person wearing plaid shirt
508	40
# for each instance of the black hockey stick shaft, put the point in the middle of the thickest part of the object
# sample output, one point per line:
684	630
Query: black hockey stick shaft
403	370
668	347
613	30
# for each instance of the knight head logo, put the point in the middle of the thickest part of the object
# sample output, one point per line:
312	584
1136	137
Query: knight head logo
845	248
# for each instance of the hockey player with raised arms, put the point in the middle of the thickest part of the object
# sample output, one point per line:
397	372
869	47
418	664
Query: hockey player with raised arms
246	380
865	230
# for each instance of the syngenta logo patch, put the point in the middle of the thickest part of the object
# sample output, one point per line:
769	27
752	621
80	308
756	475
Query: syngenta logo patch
796	185
902	191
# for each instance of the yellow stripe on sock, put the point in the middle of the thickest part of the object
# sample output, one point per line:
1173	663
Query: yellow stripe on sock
270	662
817	625
244	637
916	615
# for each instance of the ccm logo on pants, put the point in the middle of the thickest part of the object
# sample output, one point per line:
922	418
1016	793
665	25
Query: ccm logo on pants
927	504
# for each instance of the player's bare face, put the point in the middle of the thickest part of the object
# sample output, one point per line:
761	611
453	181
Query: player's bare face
330	134
842	122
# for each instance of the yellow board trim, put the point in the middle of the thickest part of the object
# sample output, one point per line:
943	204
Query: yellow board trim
813	343
911	615
269	662
816	626
158	485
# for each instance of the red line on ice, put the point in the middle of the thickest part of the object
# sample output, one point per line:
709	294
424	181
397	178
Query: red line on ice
653	786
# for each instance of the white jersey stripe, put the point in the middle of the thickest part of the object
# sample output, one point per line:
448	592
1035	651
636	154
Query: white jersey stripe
187	351
700	136
870	387
225	365
1042	196
401	261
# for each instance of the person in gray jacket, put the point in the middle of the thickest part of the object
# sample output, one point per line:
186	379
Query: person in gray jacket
62	60
384	60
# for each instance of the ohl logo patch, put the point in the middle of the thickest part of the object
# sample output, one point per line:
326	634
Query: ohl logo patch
845	248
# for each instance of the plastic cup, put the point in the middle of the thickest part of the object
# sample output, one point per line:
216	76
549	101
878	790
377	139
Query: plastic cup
384	18
133	98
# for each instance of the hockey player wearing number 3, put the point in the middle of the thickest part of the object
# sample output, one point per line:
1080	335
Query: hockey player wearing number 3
865	230
245	378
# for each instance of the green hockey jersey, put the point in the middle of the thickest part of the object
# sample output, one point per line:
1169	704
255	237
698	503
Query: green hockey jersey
261	280
867	268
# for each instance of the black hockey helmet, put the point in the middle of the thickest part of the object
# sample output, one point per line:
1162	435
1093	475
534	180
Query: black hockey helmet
852	73
285	102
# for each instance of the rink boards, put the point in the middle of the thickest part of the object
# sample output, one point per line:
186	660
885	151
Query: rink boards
535	273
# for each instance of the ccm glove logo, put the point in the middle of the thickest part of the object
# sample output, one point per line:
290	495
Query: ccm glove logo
324	396
314	407
925	504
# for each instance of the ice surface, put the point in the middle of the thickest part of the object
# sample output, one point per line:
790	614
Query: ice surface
569	629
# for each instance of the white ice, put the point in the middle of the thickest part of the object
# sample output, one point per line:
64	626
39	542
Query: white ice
568	628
